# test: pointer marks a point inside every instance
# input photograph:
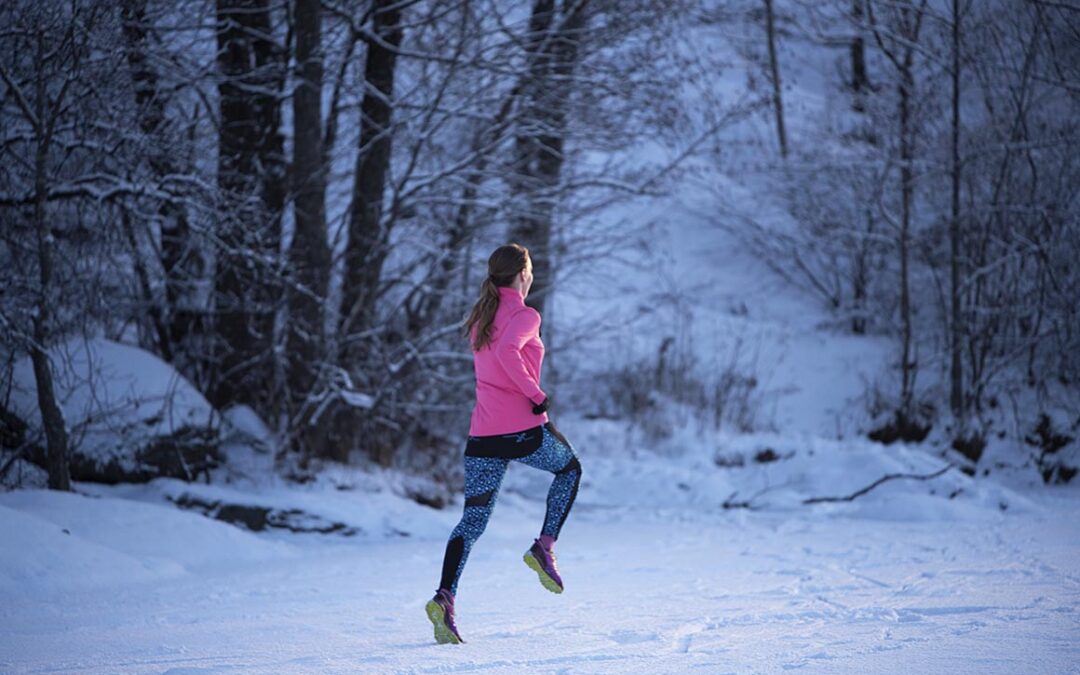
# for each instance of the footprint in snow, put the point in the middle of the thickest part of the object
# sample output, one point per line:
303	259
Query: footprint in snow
627	637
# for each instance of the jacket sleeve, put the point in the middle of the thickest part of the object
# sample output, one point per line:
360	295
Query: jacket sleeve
520	328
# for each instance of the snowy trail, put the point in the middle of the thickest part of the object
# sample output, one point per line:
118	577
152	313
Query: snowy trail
647	592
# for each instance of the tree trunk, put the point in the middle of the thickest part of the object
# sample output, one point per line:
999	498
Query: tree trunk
774	70
247	293
309	254
860	279
859	80
179	260
368	234
956	372
906	27
52	417
527	227
906	190
539	144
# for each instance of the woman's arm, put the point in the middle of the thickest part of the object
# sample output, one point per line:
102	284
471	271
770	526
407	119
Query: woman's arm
521	327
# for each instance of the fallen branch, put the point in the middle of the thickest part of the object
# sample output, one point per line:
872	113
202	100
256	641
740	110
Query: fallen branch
730	502
879	481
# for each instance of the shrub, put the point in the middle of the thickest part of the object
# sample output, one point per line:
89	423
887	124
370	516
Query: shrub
1050	441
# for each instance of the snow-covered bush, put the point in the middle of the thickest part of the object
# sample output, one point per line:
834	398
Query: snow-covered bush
130	416
1052	447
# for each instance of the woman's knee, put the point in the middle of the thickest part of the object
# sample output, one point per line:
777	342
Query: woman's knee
571	466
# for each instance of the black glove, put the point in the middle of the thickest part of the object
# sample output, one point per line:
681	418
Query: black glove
541	408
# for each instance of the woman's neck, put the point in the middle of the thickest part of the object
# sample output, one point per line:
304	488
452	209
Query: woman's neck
511	291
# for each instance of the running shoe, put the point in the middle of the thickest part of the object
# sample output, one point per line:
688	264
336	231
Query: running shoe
440	610
542	561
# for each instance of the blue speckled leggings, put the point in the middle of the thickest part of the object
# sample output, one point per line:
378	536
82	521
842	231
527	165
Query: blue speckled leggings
486	459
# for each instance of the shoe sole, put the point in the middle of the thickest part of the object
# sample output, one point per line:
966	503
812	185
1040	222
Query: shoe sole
443	634
545	579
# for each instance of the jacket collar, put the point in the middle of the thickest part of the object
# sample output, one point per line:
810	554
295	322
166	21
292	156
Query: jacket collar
512	294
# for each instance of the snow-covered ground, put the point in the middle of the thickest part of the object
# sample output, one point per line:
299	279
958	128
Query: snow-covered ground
667	581
952	574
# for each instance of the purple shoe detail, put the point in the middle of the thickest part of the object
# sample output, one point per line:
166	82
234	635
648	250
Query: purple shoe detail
440	610
543	562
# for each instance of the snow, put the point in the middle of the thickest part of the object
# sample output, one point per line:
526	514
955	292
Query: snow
61	541
659	578
113	396
954	574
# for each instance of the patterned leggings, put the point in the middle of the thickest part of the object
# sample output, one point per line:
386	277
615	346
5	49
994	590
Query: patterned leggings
486	459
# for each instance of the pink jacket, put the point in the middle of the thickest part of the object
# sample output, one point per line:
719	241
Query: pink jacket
508	370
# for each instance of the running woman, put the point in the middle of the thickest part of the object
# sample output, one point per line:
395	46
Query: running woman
509	423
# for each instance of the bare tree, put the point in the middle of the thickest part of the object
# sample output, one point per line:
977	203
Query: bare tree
368	232
898	40
309	254
251	177
552	49
956	373
1021	179
171	315
860	82
774	76
48	84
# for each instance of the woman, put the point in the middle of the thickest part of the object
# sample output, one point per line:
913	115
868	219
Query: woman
509	422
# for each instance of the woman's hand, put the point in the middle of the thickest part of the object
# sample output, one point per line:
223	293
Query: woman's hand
541	408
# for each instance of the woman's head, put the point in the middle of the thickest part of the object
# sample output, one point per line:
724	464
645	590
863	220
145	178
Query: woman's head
509	266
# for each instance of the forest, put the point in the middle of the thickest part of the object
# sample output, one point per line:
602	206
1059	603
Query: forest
290	202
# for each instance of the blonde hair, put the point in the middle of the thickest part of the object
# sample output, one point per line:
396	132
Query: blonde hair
503	265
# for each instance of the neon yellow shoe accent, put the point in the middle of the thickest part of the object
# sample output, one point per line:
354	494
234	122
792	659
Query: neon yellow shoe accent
545	580
437	615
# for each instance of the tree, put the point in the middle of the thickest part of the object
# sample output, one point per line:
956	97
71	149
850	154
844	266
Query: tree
1021	185
552	49
49	83
956	372
170	316
309	254
774	76
251	178
369	234
898	40
860	82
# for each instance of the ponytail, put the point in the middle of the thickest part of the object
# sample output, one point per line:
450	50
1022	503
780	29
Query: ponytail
482	315
503	265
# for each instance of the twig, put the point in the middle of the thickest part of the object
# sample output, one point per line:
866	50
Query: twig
748	503
15	455
879	481
728	504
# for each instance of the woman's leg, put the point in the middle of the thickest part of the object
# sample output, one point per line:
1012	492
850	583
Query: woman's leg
483	476
558	457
